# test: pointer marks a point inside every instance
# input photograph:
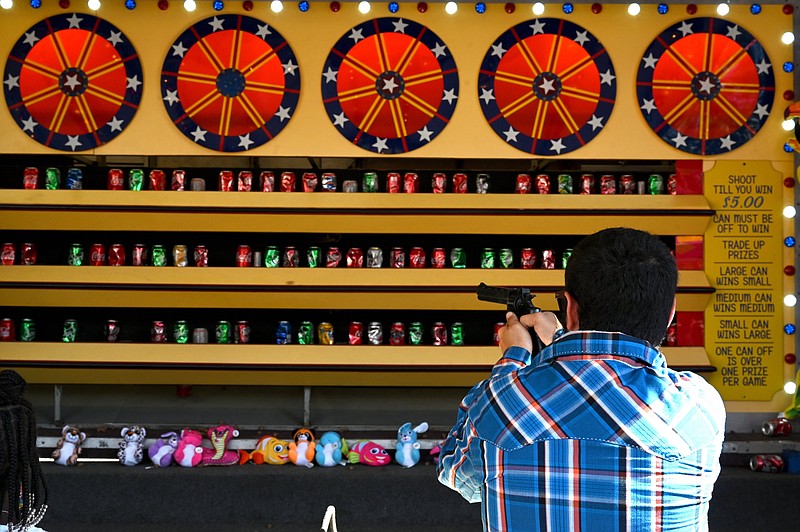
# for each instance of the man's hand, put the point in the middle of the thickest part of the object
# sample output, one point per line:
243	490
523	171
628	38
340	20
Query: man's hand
516	332
544	323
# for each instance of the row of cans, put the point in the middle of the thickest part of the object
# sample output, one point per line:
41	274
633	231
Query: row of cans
374	333
588	184
141	255
27	254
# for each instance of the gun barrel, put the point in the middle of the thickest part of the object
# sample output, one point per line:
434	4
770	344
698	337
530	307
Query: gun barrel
492	294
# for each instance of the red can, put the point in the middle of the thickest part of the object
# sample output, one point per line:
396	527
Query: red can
116	255
671	340
28	254
245	181
158	180
9	254
397	334
768	463
627	184
178	182
241	333
439	333
460	183
287	182
496	334
587	184
392	182
201	256
244	256
8	333
225	181
310	182
30	178
543	184
523	184
608	184
548	259
139	255
355	258
416	258
672	184
291	258
438	258
410	183
439	183
333	257
158	332
266	181
355	334
527	259
97	255
111	331
116	179
777	427
397	258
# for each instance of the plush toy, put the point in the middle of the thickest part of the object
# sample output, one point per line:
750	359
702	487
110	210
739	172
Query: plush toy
301	450
269	450
69	446
407	451
435	452
368	453
331	449
190	448
131	448
162	452
219	455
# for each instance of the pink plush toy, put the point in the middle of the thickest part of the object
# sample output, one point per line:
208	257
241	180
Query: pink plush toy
219	455
190	449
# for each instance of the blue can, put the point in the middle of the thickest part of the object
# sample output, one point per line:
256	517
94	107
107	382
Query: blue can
74	179
283	334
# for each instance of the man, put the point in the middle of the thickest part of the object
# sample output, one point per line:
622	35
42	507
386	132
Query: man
595	432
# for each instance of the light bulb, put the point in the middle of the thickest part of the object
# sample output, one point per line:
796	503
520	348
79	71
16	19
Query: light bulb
276	6
364	7
450	8
94	5
788	124
790	300
6	4
723	9
634	9
538	8
189	5
790	387
787	38
789	211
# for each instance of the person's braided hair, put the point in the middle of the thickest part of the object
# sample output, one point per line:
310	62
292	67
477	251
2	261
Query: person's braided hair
25	487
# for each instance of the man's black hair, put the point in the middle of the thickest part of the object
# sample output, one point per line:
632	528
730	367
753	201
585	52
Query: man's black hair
623	280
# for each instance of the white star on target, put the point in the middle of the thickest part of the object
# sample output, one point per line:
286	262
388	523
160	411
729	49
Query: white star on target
340	120
244	141
685	28
607	77
380	145
115	124
28	124
547	85
330	75
399	26
283	113
498	50
73	142
726	143
537	26
650	61
72	82
648	105
356	35
511	134
706	85
30	38
424	134
11	81
761	111
199	134
133	83
216	24
733	31
596	122
115	38
389	85
486	95
74	22
557	146
679	140
449	96
263	31
289	68
439	50
581	37
171	97
763	67
179	49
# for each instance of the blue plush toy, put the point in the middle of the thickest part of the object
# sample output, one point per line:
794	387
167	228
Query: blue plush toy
329	450
163	450
131	448
407	450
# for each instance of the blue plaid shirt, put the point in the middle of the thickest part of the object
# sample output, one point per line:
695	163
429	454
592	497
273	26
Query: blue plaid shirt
594	433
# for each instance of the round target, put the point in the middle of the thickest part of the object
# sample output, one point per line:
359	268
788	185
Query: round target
230	83
705	86
390	85
547	86
73	82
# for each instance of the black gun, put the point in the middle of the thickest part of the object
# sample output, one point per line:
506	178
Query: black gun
517	300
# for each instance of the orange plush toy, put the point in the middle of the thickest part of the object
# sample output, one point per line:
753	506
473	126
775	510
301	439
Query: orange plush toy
269	450
301	450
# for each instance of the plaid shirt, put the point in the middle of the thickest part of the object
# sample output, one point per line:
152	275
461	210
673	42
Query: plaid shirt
594	433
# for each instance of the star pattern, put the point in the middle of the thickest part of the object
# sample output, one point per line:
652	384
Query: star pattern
330	75
179	49
115	124
73	142
11	82
449	96
133	83
399	26
511	134
557	146
115	38
487	95
74	21
340	120
283	113
28	124
216	24
199	134
425	134
30	38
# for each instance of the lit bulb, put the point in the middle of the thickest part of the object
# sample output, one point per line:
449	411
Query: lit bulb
6	4
538	8
94	5
790	387
790	300
788	124
789	212
276	6
634	9
723	9
189	5
787	38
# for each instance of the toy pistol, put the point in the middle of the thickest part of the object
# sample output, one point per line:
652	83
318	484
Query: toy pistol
517	300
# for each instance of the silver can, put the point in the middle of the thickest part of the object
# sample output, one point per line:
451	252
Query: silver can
200	336
374	258
350	185
197	184
482	183
375	333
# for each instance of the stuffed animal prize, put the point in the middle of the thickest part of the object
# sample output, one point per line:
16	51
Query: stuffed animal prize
407	451
368	453
69	446
301	450
269	450
219	455
162	452
131	448
190	448
330	449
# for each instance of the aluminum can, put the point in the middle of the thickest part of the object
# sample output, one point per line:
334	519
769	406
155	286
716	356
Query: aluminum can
523	184
325	333
135	179
225	181
305	333
266	181
608	185
416	258
258	259
415	333
291	258
564	184
355	258
543	184
374	257
9	254
111	331
52	178
496	334
314	257
222	332
310	181
180	255
178	181
241	334
587	184
74	179
245	181
8	331
75	257
457	334
200	336
200	256
333	257
439	333
180	332
672	185
159	255
393	182
565	255
439	183
116	255
27	330
69	333
158	180
488	258
506	257
482	182
350	185
776	427
272	257
655	184
355	333
627	184
287	182
438	258
329	182
410	183
244	256
460	183
158	332
768	463
116	180
197	184
283	334
548	259
375	333
369	182
397	334
527	259
458	258
97	255
30	178
397	258
139	255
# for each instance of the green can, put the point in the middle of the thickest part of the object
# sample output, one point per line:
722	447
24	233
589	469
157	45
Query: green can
272	257
565	257
655	184
136	179
75	257
564	184
457	334
180	331
305	334
415	333
458	258
506	258
52	178
313	255
159	255
27	331
223	332
70	331
370	182
488	258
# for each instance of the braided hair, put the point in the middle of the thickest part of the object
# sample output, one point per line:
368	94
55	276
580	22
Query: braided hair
21	477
